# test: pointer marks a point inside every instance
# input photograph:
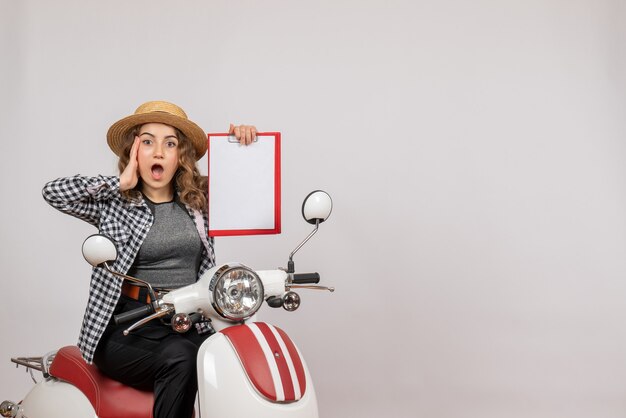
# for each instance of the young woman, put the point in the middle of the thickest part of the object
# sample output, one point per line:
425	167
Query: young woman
156	212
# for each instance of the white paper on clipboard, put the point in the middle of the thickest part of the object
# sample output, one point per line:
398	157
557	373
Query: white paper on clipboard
244	185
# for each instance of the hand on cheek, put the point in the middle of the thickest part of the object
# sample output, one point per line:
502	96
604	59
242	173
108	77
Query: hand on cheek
130	175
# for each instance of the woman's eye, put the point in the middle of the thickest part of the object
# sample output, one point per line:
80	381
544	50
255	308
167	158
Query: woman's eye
146	141
172	144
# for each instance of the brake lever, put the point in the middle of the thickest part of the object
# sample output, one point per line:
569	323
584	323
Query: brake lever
163	311
311	286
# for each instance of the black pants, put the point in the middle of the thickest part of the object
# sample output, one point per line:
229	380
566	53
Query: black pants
155	358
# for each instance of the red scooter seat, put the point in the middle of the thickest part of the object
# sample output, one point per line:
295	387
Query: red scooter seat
110	399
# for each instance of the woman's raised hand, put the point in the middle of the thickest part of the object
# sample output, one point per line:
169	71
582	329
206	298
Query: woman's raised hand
245	134
130	176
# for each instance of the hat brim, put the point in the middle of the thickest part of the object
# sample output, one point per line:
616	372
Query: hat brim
118	132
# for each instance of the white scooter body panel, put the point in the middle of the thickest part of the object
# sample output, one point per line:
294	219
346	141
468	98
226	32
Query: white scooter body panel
53	398
225	390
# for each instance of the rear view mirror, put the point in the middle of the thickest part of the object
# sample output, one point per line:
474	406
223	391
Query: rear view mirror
98	249
317	207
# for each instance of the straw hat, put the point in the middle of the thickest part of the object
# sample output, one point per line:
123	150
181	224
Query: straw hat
157	112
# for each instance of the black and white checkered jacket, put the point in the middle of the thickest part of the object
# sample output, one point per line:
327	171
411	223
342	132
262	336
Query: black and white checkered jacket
98	201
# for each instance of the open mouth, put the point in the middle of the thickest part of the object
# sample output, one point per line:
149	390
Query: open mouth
157	171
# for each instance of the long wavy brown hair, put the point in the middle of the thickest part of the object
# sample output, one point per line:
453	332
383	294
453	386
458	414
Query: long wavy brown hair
190	185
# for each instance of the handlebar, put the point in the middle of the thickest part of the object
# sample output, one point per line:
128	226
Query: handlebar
133	314
306	278
276	279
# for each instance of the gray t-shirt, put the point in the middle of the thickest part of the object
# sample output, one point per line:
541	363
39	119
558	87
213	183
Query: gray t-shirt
171	254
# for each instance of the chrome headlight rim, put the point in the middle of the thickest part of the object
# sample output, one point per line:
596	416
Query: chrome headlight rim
214	289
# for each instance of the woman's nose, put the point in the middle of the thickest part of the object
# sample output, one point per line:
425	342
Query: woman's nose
158	151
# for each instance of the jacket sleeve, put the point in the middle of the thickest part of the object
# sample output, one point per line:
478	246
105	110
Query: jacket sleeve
81	196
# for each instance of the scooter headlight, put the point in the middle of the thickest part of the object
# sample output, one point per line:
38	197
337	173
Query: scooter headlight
237	292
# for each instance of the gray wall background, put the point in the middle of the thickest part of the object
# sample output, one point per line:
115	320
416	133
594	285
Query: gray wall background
474	150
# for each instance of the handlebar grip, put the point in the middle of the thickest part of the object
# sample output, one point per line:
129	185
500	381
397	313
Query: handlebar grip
306	278
133	314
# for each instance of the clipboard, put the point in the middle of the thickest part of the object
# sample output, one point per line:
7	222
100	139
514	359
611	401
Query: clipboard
244	185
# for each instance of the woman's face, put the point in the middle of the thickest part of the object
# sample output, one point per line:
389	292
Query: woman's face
157	156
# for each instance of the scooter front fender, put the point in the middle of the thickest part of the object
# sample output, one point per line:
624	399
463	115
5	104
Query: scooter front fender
225	391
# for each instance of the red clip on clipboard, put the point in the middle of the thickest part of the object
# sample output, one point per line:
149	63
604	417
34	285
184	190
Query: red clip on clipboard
244	185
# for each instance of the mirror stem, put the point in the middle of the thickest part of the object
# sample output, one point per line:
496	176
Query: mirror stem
290	264
153	297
